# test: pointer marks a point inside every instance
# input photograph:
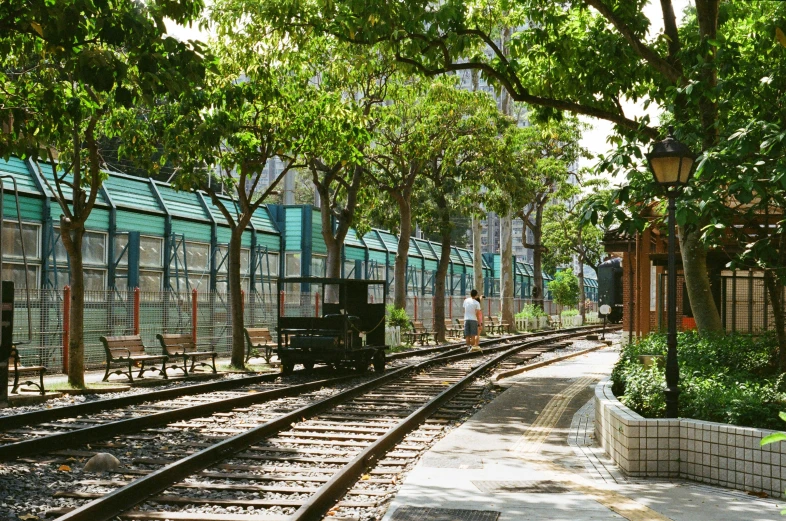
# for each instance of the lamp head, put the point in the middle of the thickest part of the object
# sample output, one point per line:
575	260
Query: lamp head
671	162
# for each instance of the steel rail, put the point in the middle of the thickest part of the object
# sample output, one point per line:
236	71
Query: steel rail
88	408
317	505
125	498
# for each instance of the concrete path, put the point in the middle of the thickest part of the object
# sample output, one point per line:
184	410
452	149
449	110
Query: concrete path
529	455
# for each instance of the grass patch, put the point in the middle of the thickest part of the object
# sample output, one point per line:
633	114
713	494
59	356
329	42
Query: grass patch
99	386
725	378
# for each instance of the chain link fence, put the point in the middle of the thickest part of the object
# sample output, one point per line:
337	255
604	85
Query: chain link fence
125	312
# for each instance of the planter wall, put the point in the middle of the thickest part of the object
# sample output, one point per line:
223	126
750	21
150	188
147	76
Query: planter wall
531	324
708	452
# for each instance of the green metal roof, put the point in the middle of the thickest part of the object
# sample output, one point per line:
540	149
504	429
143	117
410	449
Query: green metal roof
182	203
426	249
18	170
352	239
414	250
132	192
390	240
263	221
373	242
67	192
466	255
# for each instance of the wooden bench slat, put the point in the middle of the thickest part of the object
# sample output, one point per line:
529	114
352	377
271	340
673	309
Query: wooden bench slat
129	350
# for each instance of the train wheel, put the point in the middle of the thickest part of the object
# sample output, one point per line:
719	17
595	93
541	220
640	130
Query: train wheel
361	366
287	367
308	366
379	361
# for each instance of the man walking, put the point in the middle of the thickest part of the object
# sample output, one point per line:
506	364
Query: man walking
471	307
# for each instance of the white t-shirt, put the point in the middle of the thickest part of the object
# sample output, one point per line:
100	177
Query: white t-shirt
470	307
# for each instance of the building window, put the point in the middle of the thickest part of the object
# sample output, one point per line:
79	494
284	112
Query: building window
93	258
12	242
292	268
318	265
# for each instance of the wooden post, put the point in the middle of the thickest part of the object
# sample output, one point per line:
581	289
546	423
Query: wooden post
137	304
194	316
66	325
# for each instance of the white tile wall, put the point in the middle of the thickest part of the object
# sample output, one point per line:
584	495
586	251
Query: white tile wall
709	452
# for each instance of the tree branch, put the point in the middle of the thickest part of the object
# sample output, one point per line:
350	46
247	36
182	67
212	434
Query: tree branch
657	62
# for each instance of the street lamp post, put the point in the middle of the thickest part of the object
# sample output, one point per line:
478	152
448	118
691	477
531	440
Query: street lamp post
672	164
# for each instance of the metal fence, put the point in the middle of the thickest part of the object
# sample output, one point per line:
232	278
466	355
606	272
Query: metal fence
125	312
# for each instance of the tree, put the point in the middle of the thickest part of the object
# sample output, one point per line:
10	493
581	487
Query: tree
70	73
466	126
583	57
399	157
258	105
546	153
565	288
337	163
566	236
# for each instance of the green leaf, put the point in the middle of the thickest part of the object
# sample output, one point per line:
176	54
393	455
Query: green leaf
773	438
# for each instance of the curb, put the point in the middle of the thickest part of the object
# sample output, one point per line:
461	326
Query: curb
519	370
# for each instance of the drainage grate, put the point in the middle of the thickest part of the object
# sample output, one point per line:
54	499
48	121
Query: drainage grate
525	487
442	514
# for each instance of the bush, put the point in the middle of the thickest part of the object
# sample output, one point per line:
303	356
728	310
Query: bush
570	313
397	317
725	378
530	311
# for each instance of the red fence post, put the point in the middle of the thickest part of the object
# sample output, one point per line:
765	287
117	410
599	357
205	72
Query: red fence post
194	316
66	325
416	307
137	304
316	305
450	307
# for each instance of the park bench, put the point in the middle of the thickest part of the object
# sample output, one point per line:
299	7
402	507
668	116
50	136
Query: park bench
451	329
15	368
129	350
502	327
259	338
417	333
182	346
488	325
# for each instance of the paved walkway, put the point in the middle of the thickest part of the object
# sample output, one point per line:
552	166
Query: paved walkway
530	455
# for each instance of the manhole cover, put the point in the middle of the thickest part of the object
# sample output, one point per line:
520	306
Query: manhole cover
442	514
524	487
449	461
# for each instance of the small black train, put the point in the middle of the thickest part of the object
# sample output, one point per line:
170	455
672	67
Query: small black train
610	287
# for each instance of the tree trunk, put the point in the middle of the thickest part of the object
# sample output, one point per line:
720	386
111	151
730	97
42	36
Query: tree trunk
537	258
477	255
697	280
506	264
400	269
775	291
236	299
582	297
72	237
439	282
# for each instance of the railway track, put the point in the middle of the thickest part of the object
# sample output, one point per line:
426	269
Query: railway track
30	433
291	457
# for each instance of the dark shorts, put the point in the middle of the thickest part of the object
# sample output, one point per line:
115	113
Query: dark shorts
470	327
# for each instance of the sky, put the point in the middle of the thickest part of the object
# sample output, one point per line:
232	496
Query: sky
595	138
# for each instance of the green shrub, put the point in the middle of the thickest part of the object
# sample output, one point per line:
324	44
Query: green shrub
530	311
397	317
723	378
570	312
